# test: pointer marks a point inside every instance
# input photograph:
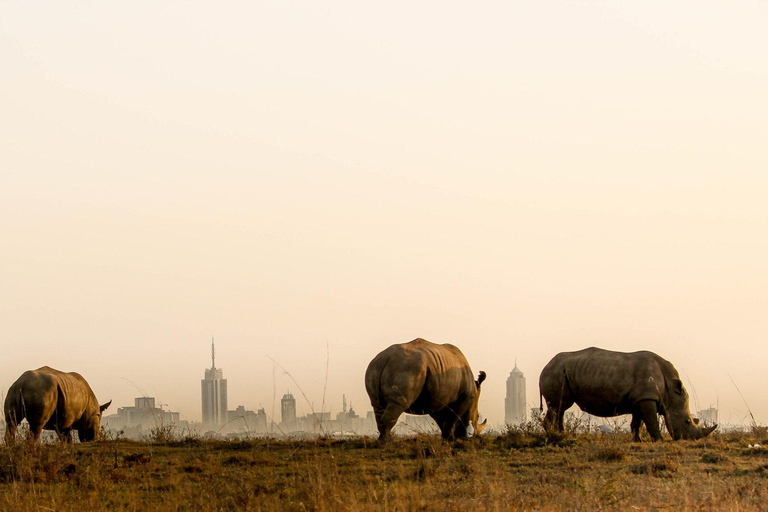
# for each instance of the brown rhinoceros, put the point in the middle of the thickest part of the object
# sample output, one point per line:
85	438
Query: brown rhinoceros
606	383
53	400
420	377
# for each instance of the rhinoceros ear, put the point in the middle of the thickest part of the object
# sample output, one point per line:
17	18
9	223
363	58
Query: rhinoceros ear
480	378
102	408
677	385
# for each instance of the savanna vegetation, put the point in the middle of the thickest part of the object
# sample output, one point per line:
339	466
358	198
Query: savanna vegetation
521	469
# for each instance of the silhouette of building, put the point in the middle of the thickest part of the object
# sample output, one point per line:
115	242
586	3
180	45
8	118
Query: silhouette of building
243	420
514	403
137	421
214	395
708	416
347	422
288	409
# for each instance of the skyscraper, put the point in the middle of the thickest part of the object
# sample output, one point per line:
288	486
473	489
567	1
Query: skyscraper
288	408
214	394
514	404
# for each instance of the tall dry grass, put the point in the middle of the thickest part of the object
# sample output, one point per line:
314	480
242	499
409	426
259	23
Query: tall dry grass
520	469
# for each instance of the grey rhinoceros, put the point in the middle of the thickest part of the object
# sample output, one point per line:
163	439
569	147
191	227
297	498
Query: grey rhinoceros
606	383
53	400
421	377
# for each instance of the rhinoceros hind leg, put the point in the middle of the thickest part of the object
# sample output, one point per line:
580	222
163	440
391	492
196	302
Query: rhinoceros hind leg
650	415
387	420
554	419
13	417
10	433
35	430
10	429
637	422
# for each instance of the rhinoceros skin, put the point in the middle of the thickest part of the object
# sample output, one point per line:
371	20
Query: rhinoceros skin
421	377
53	400
606	383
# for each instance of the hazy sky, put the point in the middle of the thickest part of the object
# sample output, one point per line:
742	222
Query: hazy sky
297	178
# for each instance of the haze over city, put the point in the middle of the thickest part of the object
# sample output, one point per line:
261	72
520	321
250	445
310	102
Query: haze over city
311	183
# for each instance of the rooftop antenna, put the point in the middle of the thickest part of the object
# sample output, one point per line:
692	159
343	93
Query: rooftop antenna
213	355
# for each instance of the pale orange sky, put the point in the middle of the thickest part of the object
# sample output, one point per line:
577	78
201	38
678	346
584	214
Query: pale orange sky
516	179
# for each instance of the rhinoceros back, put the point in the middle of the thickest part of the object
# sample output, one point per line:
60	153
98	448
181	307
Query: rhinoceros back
604	382
49	397
424	376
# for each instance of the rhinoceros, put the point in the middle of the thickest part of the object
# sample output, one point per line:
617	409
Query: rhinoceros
421	377
606	383
53	400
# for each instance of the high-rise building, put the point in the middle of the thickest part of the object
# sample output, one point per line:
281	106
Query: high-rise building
514	404
288	408
214	395
708	416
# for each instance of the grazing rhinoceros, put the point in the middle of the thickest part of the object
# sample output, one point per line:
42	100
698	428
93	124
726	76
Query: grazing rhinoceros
424	378
606	383
53	400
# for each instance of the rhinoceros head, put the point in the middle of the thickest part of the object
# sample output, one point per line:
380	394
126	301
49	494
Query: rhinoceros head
91	429
680	423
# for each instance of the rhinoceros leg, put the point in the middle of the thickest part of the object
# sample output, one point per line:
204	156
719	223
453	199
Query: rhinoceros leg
10	432
386	420
551	419
14	413
10	426
35	430
650	414
447	420
554	419
637	421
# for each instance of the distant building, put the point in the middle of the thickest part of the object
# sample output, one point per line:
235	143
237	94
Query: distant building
242	420
708	416
214	395
346	423
140	419
514	403
288	409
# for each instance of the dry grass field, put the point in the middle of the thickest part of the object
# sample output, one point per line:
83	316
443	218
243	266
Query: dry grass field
519	470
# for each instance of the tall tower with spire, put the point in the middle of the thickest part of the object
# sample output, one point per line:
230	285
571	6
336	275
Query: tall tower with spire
214	395
514	404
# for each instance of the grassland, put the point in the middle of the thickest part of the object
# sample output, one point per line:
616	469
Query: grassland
519	470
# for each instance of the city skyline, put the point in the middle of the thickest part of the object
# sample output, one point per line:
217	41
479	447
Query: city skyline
289	412
244	422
